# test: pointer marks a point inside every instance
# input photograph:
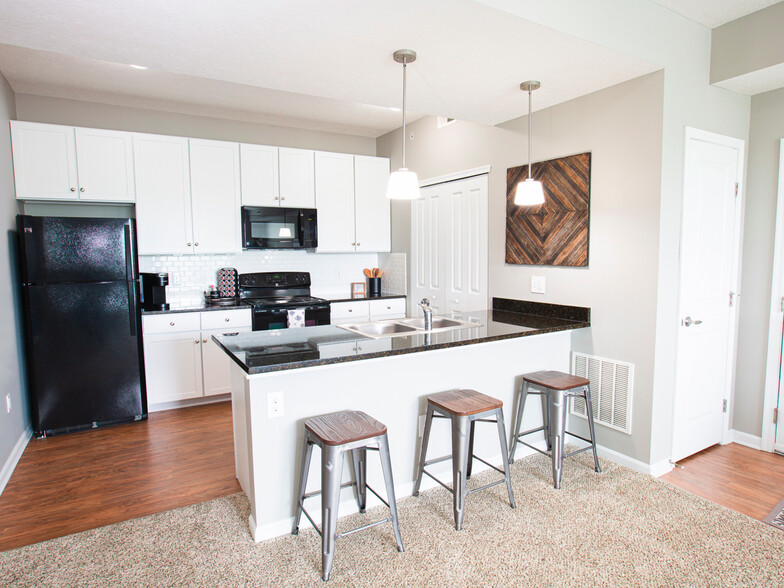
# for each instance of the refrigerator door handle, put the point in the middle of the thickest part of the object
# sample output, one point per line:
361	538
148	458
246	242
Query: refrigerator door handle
130	274
132	310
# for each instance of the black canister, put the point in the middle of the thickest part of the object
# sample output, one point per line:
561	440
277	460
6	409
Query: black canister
374	287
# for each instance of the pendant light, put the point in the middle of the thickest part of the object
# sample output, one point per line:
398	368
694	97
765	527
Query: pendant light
403	183
529	192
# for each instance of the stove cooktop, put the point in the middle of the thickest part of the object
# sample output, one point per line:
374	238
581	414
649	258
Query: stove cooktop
284	300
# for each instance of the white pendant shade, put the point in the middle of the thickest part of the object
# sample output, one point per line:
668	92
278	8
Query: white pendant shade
403	185
529	193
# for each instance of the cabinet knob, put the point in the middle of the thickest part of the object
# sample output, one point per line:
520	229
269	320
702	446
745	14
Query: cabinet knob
73	189
276	197
204	340
282	197
81	189
353	244
172	323
196	244
227	319
188	244
389	308
358	243
196	341
351	310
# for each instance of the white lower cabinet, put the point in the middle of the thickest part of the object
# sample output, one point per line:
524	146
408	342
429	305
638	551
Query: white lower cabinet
181	361
367	310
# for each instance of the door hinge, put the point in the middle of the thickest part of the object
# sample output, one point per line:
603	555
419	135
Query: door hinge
775	416
732	298
724	405
737	189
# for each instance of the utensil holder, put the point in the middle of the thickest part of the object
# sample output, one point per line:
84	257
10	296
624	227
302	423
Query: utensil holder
374	287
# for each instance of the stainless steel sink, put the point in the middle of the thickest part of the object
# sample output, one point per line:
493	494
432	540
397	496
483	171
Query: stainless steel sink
410	326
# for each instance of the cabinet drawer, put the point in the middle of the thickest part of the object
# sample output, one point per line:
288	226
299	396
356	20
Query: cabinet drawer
388	306
358	309
223	319
176	322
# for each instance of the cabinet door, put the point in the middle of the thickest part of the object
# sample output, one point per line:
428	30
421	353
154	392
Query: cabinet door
295	178
215	196
259	179
371	204
335	201
172	365
44	161
163	194
216	365
349	312
427	270
105	163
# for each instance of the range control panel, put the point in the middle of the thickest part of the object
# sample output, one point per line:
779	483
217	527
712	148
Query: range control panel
275	279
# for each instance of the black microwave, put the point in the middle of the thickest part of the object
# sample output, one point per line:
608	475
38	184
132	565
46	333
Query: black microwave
273	227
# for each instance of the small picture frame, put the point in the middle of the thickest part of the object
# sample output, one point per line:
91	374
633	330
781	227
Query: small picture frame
357	290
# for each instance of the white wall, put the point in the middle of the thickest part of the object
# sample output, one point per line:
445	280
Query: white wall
767	129
622	128
12	426
104	116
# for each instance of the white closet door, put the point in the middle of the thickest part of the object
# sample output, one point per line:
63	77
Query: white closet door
427	270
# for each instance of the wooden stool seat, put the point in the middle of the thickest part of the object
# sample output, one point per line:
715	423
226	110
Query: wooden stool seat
556	380
464	402
340	428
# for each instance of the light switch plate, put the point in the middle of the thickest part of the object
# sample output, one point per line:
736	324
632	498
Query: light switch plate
537	284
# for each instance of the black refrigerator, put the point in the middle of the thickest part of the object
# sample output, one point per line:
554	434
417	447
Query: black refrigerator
80	293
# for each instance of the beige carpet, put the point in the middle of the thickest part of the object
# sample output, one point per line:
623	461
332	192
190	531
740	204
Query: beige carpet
617	528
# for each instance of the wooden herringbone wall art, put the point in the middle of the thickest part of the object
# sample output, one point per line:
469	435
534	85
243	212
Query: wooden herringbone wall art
556	232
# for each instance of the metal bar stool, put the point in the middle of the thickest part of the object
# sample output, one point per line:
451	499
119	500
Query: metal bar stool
335	434
464	408
557	387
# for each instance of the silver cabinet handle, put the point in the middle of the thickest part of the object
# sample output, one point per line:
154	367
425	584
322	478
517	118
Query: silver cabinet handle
353	244
351	310
389	308
282	197
358	243
73	189
196	244
687	322
81	189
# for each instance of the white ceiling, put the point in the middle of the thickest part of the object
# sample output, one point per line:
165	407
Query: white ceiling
714	13
320	64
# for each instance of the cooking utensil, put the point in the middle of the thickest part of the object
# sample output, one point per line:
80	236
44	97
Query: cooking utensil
368	273
380	273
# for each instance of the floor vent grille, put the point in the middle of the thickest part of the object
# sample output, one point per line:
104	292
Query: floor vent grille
612	384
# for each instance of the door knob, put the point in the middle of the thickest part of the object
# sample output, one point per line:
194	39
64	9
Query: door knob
687	322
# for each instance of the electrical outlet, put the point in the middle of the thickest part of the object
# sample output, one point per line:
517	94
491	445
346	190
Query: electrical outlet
537	284
421	425
274	404
174	278
8	403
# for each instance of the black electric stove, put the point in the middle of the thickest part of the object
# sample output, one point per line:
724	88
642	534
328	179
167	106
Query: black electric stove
273	294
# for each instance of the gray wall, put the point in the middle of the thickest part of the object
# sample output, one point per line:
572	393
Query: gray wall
767	129
622	127
122	118
12	426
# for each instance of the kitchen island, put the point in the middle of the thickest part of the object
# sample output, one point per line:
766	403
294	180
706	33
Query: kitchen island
280	378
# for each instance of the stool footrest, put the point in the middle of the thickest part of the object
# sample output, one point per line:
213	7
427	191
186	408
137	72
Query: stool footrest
542	428
428	474
578	451
438	460
547	453
486	486
363	527
500	471
317	492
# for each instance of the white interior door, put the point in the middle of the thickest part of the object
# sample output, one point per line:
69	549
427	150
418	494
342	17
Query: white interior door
427	270
709	244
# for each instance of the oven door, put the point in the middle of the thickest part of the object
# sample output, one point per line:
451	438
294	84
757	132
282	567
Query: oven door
277	318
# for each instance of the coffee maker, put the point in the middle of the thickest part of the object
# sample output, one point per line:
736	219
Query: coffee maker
154	291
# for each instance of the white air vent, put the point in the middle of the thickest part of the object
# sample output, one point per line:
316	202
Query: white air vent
612	384
443	121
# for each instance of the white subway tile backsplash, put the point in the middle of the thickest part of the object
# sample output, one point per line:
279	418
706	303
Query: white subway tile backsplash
331	273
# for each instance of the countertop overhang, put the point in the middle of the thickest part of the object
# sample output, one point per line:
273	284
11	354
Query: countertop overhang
260	352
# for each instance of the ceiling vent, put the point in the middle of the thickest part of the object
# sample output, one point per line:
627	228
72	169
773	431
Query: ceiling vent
444	121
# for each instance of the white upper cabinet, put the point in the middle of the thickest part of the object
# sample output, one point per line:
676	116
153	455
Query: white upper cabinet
296	177
277	176
163	195
335	201
44	161
259	165
371	205
54	162
353	211
215	196
104	160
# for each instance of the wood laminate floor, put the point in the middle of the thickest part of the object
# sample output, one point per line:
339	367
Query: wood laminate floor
75	482
71	483
743	479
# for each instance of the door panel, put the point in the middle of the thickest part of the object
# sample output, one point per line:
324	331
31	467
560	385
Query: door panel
259	169
708	242
105	163
295	177
372	208
335	201
44	161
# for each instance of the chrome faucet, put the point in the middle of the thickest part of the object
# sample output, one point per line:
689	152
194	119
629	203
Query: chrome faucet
425	304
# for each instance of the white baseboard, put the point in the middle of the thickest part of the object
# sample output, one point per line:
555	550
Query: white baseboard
161	406
655	469
13	459
742	438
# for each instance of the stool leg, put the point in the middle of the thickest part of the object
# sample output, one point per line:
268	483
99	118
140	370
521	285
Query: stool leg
423	452
307	451
589	411
518	420
359	462
331	473
471	452
546	416
557	403
386	467
499	413
460	441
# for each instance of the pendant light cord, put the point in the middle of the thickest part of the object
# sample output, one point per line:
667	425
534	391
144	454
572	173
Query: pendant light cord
404	115
530	136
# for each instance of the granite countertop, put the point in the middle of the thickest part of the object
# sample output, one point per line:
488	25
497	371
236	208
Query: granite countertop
260	352
204	308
